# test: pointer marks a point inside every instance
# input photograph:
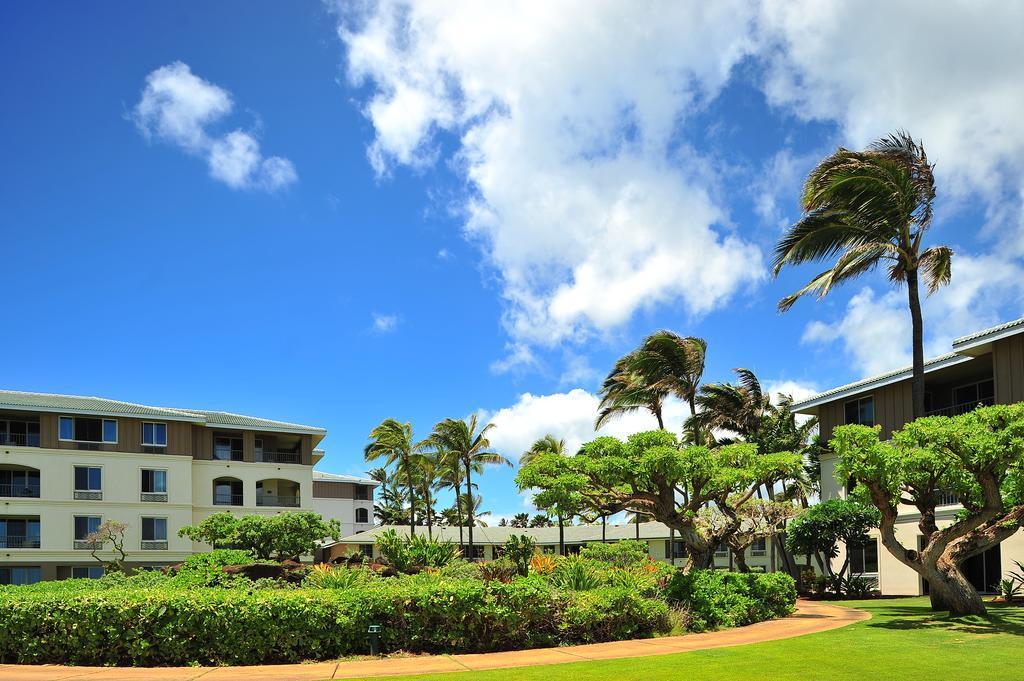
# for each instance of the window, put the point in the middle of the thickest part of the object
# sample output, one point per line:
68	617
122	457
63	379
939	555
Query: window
154	480
759	547
19	482
154	529
227	492
86	525
362	492
87	572
861	412
721	551
88	482
362	515
258	447
19	433
864	557
227	448
21	575
970	396
79	429
677	549
19	533
154	434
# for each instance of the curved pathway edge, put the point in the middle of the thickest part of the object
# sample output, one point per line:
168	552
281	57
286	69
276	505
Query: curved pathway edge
811	617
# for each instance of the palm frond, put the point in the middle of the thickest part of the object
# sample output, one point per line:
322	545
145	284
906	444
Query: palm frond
936	265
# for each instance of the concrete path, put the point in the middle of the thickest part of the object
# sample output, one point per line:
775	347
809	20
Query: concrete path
811	617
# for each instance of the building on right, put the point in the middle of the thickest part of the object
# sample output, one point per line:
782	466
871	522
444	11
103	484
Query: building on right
984	368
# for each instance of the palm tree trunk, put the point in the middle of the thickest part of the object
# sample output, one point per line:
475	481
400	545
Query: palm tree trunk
561	535
604	529
657	415
469	507
412	499
458	509
917	326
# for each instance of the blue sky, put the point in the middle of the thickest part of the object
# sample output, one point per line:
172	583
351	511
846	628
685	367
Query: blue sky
336	214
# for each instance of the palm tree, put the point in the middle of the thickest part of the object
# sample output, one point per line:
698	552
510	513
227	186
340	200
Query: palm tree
635	517
451	477
463	441
474	505
389	507
549	444
867	209
426	472
393	441
665	364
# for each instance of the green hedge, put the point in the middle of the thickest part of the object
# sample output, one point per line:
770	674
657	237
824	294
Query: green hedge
715	598
153	625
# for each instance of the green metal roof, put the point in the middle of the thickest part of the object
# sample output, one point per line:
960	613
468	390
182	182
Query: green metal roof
574	534
992	331
101	406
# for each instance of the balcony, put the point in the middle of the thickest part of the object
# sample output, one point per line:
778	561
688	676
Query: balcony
224	499
271	456
962	408
18	439
946	498
278	500
14	542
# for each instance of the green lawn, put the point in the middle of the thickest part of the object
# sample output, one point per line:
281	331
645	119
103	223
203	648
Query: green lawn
902	640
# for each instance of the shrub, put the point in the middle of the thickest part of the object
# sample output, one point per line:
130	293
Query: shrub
406	554
542	565
502	570
717	599
205	569
281	536
576	574
622	554
336	577
66	623
519	550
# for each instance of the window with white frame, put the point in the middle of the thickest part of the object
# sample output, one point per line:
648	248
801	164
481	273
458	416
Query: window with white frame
154	533
88	482
84	526
154	434
83	429
864	557
759	547
362	515
154	481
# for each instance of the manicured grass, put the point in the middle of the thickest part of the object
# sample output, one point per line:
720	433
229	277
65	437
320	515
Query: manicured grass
903	639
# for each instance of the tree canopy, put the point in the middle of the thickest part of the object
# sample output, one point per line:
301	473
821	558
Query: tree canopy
282	536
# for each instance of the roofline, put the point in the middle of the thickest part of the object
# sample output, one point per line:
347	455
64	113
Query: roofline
277	429
190	418
878	381
990	335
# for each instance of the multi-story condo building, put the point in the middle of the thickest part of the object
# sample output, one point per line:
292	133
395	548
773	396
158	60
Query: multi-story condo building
984	368
345	498
68	463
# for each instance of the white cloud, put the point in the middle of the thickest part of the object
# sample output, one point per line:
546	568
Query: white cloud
798	390
578	371
384	323
179	107
519	357
585	202
569	415
875	330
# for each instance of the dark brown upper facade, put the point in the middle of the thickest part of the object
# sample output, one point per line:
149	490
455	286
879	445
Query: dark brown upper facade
986	367
95	424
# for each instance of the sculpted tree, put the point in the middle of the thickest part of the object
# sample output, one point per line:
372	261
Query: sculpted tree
652	475
758	519
109	532
978	456
820	529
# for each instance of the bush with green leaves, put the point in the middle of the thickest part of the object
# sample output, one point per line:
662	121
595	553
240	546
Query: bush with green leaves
502	569
626	553
324	576
519	548
576	573
409	554
75	623
716	599
282	536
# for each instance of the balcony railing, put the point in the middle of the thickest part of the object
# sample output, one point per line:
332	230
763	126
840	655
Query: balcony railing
277	500
86	545
30	490
153	496
271	456
153	545
14	542
227	499
19	439
962	408
944	498
88	495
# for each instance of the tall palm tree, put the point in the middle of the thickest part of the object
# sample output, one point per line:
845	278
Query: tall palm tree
427	473
451	477
393	441
549	444
474	503
738	407
666	364
462	439
389	507
867	209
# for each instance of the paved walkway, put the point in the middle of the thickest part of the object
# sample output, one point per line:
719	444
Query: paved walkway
811	617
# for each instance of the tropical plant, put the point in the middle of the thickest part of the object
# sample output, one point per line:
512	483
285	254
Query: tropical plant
551	446
867	209
1009	589
542	564
109	532
520	520
389	502
283	536
651	473
394	442
575	573
626	553
541	520
407	554
473	506
666	364
520	549
979	456
502	570
323	576
451	477
821	528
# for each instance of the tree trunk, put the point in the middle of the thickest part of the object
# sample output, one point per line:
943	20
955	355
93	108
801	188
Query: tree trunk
637	519
917	326
740	555
950	590
458	509
561	535
661	422
412	499
469	508
604	529
672	545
